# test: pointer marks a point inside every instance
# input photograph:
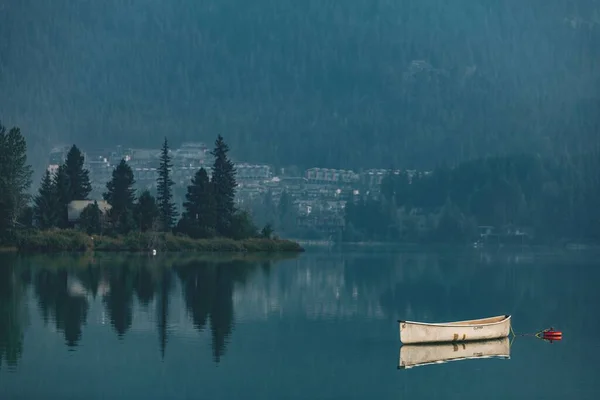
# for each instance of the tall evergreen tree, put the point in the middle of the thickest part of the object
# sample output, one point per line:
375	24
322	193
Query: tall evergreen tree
15	177
45	207
146	212
79	179
121	196
199	217
25	219
166	207
243	226
61	188
224	184
91	219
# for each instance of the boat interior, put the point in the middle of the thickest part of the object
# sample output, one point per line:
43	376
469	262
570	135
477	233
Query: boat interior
481	321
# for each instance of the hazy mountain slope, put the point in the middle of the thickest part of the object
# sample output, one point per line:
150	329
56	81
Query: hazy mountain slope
317	82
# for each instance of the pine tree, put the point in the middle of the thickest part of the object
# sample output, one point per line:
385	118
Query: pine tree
121	196
46	204
25	219
166	207
91	219
79	179
224	184
267	231
61	189
243	226
15	177
146	211
199	217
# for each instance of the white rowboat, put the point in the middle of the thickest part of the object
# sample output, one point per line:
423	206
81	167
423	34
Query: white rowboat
415	355
460	331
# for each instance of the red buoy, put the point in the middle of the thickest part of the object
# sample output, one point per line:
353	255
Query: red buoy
552	335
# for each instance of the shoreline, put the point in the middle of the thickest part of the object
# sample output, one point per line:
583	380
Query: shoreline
72	241
418	246
8	249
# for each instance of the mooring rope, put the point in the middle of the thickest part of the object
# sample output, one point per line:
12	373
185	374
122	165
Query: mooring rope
539	334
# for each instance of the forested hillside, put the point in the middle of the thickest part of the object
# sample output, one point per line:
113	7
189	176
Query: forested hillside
354	83
552	198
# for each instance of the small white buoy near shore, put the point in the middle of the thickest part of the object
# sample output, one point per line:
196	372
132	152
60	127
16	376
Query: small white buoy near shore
153	252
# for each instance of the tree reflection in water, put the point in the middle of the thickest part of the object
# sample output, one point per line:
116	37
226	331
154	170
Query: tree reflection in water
12	290
66	287
67	309
208	294
67	291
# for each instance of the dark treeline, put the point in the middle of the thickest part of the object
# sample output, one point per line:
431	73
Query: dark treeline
65	292
209	209
547	198
340	84
15	180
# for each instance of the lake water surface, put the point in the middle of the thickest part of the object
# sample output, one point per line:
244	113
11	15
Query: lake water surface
322	325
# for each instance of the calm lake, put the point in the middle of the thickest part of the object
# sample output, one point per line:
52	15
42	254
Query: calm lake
322	325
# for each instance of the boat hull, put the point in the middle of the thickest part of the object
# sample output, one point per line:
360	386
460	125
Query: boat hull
415	355
461	331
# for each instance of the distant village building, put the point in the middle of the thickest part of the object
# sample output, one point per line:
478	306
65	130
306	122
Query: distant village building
140	158
331	176
319	191
182	176
192	155
254	172
249	191
57	156
319	195
145	175
373	177
99	166
294	186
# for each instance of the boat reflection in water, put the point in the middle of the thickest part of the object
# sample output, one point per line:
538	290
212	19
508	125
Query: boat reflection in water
415	355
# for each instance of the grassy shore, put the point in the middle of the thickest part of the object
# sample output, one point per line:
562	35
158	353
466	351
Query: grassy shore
7	249
55	241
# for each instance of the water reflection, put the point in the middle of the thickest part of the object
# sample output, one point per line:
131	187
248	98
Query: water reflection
119	299
538	290
181	298
208	294
67	310
64	289
416	355
162	310
11	315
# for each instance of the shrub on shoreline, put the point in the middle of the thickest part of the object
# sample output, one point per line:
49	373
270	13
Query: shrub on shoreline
56	240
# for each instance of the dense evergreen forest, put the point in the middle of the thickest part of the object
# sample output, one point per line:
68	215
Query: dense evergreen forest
209	210
355	83
549	199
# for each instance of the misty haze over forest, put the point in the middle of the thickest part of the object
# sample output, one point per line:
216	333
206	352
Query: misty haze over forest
164	163
339	84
